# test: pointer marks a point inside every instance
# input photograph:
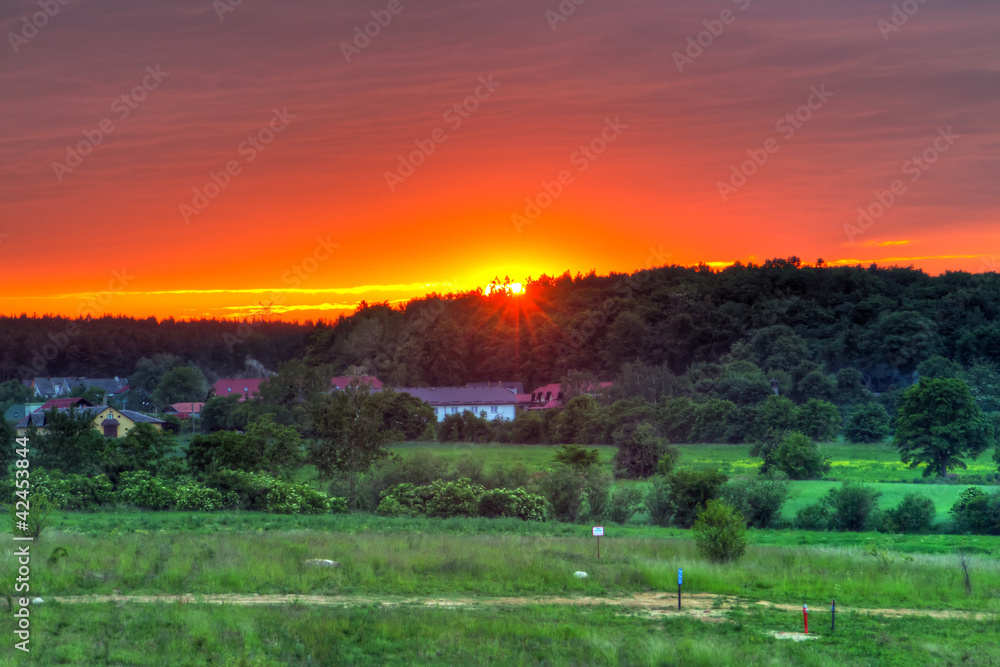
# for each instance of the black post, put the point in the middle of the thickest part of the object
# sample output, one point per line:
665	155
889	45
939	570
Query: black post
678	597
833	615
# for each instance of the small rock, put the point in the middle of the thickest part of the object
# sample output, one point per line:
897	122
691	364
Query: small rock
580	575
322	562
37	601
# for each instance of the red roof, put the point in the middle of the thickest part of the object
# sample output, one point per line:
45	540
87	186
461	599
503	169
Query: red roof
58	403
190	408
551	394
341	381
244	388
522	398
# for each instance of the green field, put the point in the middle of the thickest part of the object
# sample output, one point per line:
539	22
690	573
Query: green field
877	464
480	591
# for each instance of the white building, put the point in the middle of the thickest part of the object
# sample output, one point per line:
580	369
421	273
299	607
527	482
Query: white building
491	402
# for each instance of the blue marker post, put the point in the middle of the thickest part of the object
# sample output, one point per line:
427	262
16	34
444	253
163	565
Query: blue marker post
680	580
833	615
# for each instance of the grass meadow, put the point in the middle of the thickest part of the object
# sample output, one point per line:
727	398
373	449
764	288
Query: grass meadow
193	635
391	565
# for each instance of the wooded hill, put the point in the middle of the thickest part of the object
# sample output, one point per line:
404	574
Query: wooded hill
793	323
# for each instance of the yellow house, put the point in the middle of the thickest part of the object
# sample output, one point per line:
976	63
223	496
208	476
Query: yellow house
109	422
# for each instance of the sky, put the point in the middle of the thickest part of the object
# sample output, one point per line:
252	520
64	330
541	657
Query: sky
190	158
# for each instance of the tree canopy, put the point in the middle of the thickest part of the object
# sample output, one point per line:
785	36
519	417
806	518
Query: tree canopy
939	423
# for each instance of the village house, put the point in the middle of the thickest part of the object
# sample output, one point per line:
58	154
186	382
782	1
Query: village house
491	402
109	422
245	388
184	410
341	382
64	386
550	396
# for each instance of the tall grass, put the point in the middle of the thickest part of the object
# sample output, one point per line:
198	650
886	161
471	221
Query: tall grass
424	563
189	635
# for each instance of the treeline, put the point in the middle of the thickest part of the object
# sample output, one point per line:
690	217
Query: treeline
112	346
800	325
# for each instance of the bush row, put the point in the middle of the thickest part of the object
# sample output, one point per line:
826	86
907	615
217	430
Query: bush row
225	489
460	498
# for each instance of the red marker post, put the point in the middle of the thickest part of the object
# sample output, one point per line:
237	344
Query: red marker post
805	617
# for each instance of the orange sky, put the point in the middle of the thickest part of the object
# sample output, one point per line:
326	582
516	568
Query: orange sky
606	77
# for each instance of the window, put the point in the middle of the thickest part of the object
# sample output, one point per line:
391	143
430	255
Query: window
493	409
229	388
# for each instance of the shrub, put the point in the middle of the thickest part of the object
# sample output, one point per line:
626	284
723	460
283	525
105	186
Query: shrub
914	514
418	468
69	491
562	487
405	500
820	420
511	476
853	507
659	505
597	490
198	498
690	491
720	532
676	416
458	498
577	457
469	467
499	503
867	423
798	457
668	460
259	491
758	499
141	489
624	504
977	512
813	517
639	451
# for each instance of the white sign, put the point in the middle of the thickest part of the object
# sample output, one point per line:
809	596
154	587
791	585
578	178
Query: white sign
598	531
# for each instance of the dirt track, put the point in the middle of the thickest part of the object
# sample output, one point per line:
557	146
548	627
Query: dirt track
700	605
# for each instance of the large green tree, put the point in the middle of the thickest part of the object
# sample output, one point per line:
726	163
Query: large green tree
939	423
350	434
183	383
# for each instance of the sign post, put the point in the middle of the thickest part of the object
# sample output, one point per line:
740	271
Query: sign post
680	580
598	531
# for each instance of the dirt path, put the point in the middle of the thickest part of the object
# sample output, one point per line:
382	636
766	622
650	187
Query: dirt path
701	605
